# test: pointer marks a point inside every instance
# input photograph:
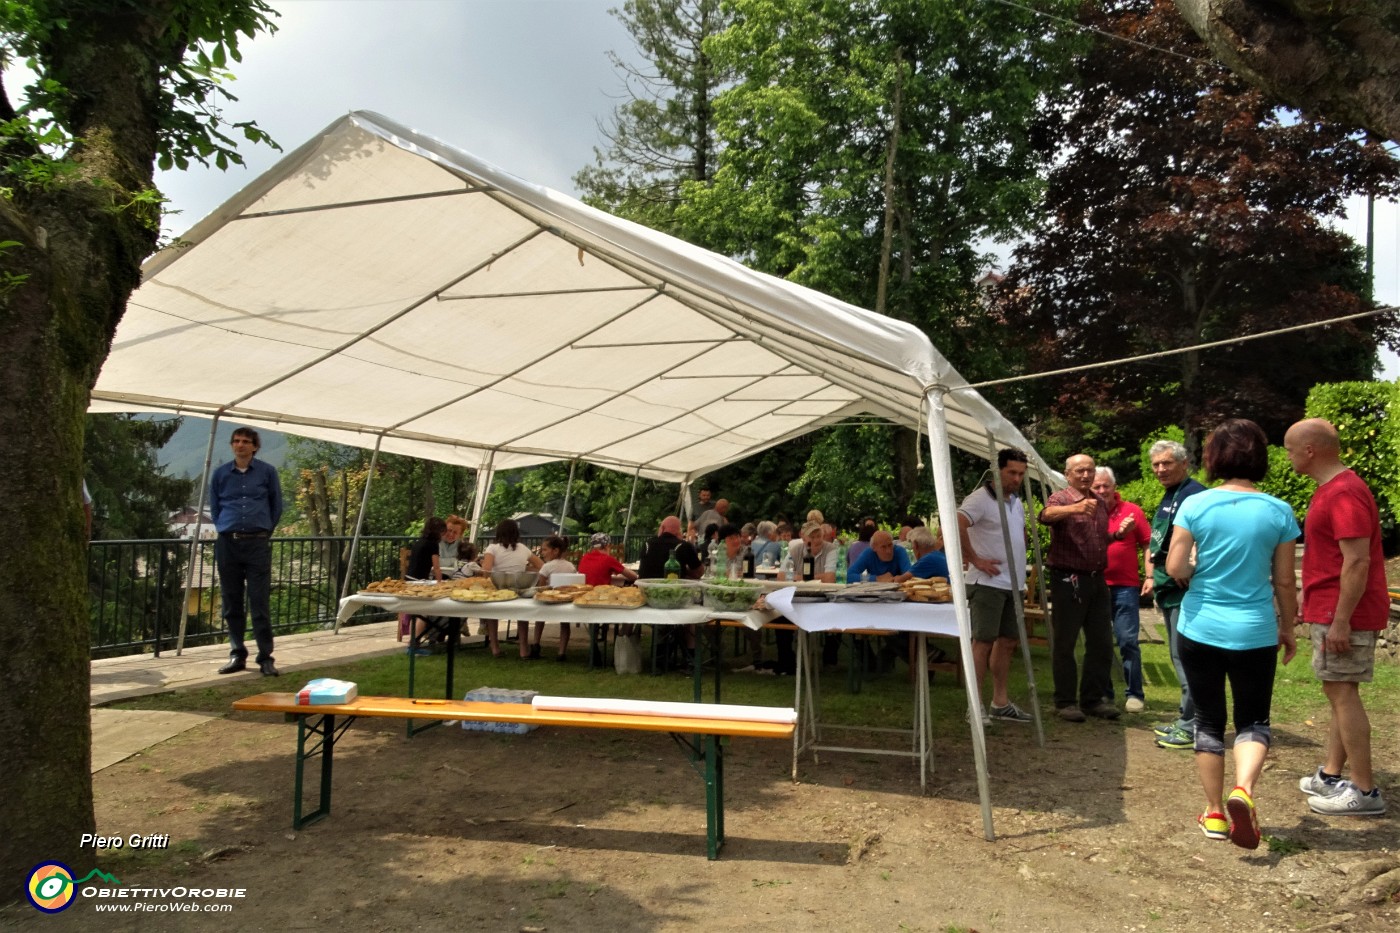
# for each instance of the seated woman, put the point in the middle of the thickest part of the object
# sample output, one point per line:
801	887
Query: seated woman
867	529
508	555
767	549
424	564
552	553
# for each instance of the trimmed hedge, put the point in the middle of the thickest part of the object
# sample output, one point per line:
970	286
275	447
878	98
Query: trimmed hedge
1361	413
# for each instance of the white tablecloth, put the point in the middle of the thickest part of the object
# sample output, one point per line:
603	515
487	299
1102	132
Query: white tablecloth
530	610
929	618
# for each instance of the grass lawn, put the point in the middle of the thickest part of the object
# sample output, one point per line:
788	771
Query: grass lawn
883	700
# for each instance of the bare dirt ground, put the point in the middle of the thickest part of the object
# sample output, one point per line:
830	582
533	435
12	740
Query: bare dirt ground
578	830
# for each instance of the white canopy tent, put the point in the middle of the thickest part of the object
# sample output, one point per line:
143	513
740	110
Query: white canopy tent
382	289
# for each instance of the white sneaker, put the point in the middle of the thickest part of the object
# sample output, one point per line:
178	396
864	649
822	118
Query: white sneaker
986	719
1348	801
1134	705
1315	785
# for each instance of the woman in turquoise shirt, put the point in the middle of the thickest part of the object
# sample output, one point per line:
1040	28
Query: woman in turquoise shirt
1230	627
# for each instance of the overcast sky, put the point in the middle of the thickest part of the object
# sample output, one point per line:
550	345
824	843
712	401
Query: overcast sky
520	83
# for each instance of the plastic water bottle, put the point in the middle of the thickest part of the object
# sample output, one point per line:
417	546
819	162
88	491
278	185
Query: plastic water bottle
786	566
865	576
841	564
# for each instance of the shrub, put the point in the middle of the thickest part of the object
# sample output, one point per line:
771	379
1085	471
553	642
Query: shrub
1370	438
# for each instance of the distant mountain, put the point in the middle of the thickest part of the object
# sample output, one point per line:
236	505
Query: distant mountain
184	454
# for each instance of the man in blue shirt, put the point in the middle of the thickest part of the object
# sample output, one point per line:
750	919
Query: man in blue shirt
882	560
245	500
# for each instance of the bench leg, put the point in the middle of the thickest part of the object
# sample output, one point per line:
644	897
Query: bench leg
714	795
324	726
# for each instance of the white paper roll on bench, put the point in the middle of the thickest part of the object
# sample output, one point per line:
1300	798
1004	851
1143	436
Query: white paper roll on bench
777	714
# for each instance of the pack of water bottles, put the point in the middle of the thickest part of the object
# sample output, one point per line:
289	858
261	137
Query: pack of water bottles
499	695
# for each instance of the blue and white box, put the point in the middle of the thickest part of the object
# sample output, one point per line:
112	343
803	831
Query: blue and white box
499	695
326	691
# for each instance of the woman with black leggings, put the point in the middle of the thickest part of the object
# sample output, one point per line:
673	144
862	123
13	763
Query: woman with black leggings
1239	610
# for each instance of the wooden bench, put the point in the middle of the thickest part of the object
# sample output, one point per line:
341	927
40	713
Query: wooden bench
318	728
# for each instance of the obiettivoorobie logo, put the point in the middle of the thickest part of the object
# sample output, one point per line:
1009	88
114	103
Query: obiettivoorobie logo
53	888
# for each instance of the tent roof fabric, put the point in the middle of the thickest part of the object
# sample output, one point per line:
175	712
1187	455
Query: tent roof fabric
378	283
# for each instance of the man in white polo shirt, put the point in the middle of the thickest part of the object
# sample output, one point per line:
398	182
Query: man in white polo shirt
991	576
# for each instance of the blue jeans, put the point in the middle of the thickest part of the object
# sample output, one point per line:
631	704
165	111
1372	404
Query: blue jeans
245	567
1125	630
1186	712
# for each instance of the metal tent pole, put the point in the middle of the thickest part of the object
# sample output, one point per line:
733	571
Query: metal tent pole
947	505
568	488
195	551
359	526
484	475
631	502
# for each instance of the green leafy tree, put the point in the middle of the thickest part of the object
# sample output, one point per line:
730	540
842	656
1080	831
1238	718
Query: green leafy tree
117	85
131	495
869	148
663	135
1186	207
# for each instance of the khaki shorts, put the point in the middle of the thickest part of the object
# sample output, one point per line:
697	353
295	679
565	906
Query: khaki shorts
1356	666
993	612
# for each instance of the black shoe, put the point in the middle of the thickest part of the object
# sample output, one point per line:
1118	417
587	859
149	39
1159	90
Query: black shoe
268	670
233	667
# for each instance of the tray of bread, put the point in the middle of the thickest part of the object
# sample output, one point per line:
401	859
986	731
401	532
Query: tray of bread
932	590
612	597
562	594
412	589
479	594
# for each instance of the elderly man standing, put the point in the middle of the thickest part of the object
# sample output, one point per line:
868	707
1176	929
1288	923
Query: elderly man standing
1345	604
991	576
245	501
1173	470
1078	556
1128	534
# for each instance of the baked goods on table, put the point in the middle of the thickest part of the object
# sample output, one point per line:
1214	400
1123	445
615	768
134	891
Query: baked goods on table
482	595
932	590
562	594
407	589
615	597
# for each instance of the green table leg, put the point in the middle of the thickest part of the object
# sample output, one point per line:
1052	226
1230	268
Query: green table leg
714	795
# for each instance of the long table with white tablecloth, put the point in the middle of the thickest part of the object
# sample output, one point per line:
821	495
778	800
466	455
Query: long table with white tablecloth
918	619
532	610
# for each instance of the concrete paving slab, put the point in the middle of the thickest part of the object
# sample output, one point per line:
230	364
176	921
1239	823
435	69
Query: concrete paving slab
117	734
115	679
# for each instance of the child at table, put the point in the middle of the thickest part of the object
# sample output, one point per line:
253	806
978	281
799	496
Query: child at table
552	553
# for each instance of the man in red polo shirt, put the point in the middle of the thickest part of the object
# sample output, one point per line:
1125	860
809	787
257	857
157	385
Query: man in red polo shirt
1128	533
1345	603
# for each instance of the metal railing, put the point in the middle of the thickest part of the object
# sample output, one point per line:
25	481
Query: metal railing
135	587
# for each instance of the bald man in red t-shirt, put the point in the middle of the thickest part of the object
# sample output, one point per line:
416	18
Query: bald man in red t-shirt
1346	603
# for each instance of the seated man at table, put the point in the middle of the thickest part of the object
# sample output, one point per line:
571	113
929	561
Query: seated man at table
882	562
929	559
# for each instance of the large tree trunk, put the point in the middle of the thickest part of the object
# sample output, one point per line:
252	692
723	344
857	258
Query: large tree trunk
65	286
1339	59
